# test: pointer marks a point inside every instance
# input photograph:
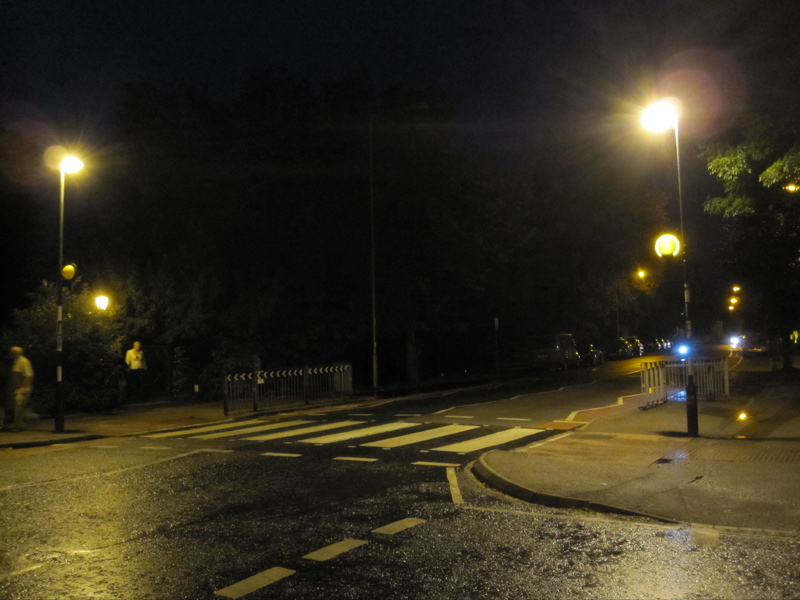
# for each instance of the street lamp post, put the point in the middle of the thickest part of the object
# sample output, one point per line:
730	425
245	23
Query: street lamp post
69	164
659	117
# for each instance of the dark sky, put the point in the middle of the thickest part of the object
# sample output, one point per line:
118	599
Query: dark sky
578	68
488	54
502	61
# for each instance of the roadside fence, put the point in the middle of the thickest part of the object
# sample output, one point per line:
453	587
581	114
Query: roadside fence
259	390
666	380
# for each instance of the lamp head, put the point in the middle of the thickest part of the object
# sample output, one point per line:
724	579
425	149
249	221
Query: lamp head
71	164
662	115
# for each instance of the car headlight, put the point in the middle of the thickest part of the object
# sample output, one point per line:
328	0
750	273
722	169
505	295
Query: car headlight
736	341
683	349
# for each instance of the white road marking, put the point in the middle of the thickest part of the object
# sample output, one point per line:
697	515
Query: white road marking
283	454
195	430
357	433
460	416
271	426
512	419
422	436
334	550
303	431
356	458
423	463
455	492
398	526
256	582
493	439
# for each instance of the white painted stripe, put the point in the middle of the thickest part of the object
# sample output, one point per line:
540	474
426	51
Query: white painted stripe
459	416
398	526
422	436
356	458
283	454
455	492
256	582
409	415
512	419
357	433
215	450
195	430
334	550
271	426
303	430
493	439
423	463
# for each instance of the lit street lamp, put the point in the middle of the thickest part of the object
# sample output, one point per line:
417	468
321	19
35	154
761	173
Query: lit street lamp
69	164
101	302
659	117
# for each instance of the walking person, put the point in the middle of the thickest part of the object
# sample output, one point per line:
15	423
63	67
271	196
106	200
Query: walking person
137	365
21	385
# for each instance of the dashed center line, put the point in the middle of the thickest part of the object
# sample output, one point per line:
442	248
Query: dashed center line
334	550
256	582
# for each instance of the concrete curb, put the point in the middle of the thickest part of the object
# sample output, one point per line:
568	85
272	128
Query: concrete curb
488	476
51	442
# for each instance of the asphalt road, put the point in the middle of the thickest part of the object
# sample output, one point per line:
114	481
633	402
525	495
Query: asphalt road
184	516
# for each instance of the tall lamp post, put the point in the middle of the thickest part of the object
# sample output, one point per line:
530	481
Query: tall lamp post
69	164
659	117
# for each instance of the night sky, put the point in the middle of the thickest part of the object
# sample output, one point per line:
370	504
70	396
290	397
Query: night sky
518	72
508	65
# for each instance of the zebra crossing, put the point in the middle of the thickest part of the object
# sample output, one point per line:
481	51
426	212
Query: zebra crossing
463	438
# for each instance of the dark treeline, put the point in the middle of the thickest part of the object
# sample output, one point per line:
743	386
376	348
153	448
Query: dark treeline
244	229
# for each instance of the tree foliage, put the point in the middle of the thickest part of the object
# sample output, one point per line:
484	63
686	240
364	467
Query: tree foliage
92	348
762	217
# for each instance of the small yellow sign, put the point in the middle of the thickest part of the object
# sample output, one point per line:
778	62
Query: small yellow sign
668	245
68	271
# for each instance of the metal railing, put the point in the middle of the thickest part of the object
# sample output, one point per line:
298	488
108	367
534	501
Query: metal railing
666	380
259	390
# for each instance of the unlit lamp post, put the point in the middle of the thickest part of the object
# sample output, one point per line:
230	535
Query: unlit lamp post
69	164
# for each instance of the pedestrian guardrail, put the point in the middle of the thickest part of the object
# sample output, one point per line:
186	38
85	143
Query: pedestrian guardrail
667	380
259	390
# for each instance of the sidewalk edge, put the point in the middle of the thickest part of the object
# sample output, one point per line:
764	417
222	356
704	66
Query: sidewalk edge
40	443
484	473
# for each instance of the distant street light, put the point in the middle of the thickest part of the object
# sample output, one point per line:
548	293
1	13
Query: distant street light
659	117
101	302
69	164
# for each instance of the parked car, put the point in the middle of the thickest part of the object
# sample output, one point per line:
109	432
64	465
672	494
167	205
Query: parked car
618	348
755	345
636	345
657	345
558	350
591	354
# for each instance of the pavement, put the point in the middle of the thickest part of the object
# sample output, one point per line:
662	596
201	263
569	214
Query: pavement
638	459
631	457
